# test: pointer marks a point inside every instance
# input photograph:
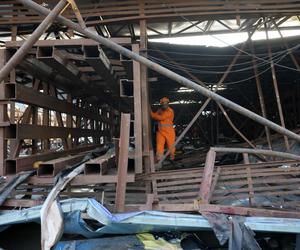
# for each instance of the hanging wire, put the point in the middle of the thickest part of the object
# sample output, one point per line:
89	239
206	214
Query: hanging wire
211	55
230	45
192	67
193	70
168	64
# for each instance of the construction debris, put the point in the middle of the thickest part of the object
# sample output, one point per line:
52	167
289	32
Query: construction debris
78	82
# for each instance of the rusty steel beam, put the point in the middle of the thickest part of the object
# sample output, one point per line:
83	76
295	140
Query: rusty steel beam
67	42
57	60
3	121
145	100
19	164
164	71
22	51
207	176
43	72
101	164
30	131
21	203
234	127
96	57
206	184
78	180
53	167
138	150
275	84
122	163
257	151
60	63
260	94
18	93
245	211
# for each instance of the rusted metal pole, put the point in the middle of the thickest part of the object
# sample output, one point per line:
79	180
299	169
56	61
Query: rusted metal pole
3	119
275	84
260	95
257	152
22	51
145	99
138	159
234	127
122	163
207	178
164	71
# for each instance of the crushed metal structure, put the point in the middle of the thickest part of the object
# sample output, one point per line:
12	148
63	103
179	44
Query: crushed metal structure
77	81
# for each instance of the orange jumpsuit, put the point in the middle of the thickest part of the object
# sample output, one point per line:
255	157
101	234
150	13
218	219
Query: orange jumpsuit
166	132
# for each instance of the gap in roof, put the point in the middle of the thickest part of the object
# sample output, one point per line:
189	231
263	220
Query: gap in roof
224	40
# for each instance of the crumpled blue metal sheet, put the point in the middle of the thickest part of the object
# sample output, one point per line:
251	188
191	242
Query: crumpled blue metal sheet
136	222
126	242
125	223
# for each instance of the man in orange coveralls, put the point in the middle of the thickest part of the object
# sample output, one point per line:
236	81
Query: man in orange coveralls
166	132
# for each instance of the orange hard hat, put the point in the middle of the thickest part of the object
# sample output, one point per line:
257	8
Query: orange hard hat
164	100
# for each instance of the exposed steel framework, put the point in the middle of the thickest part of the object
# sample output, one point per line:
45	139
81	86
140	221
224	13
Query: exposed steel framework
72	93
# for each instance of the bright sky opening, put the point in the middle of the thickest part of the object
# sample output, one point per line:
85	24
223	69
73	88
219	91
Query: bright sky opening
223	40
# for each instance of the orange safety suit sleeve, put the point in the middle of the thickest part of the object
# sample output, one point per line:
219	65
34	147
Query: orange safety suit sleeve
161	117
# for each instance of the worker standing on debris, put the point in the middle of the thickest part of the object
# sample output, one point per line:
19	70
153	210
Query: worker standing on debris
166	132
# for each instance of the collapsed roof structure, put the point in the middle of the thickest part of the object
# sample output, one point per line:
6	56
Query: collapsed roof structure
77	81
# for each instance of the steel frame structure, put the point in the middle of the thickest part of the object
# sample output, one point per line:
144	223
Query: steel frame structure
80	113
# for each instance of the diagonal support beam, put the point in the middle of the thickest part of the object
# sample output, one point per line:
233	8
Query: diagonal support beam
21	52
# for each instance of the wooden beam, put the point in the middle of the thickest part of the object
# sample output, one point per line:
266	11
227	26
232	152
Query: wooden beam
244	211
122	163
206	184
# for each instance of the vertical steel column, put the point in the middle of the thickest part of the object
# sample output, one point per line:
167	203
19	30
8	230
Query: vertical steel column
35	118
260	94
3	119
69	122
138	159
12	76
275	84
60	123
13	144
46	144
22	51
147	145
122	163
